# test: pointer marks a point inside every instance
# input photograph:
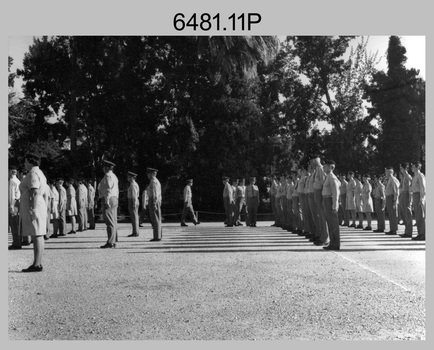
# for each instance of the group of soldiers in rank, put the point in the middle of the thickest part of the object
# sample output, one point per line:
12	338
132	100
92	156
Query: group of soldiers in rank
313	201
62	199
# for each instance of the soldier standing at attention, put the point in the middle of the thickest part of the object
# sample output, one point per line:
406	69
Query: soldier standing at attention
82	203
405	200
133	203
273	192
321	226
240	200
108	190
330	193
71	204
90	204
298	219
368	206
234	205
302	190
380	203
154	204
228	201
60	223
358	199
188	204
311	201
54	207
392	194
289	213
345	219
351	200
252	196
284	203
14	202
418	188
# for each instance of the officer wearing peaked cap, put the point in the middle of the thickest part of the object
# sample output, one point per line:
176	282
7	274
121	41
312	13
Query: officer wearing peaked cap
154	204
108	190
133	203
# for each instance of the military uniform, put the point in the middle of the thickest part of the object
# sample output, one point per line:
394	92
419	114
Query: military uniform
13	206
71	206
302	190
289	211
133	204
418	188
312	212
252	196
298	219
228	201
359	202
351	200
188	205
380	202
91	206
321	226
154	204
60	223
54	207
344	218
273	192
108	191
331	193
368	205
82	203
405	204
392	194
240	202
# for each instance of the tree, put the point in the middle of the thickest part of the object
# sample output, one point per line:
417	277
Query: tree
398	100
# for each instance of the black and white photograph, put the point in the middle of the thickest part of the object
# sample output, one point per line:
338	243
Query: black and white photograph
217	181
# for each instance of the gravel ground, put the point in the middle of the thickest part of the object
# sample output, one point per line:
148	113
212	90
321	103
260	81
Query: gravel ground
214	283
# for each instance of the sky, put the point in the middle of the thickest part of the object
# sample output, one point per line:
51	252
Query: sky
415	46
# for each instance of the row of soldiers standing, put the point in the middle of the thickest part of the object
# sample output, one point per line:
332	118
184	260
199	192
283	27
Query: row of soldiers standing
308	202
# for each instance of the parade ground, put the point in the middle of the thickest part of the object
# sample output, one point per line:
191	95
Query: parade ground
214	283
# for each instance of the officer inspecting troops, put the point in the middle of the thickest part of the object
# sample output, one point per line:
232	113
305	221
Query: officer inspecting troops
13	206
188	204
392	194
108	191
133	203
405	200
154	204
418	188
331	193
252	197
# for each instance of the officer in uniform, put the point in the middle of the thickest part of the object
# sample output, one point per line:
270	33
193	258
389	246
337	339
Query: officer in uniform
344	219
188	204
154	204
71	204
90	205
418	188
331	193
405	200
14	204
392	194
82	205
252	196
302	190
273	192
108	191
240	200
133	203
312	213
228	201
351	200
321	226
60	223
379	203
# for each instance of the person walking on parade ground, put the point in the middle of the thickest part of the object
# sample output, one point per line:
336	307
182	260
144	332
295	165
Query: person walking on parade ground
154	204
188	204
392	194
331	193
418	188
228	201
13	206
33	209
367	203
108	190
405	200
252	198
71	204
133	203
